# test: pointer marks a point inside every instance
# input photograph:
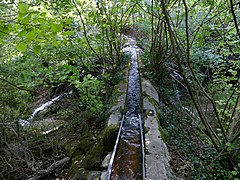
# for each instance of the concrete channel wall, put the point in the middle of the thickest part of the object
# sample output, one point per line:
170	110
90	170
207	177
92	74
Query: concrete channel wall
157	155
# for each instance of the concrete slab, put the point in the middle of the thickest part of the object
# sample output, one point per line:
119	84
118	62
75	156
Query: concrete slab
106	160
114	118
116	110
149	90
104	175
157	155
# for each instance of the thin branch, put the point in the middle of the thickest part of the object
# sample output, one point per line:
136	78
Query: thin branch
235	107
223	153
50	169
234	18
16	86
194	75
224	39
199	27
235	138
212	134
85	30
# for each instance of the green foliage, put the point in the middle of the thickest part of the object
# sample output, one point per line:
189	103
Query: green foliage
192	146
197	45
77	45
50	45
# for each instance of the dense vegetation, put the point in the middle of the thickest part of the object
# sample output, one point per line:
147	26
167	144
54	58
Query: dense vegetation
191	53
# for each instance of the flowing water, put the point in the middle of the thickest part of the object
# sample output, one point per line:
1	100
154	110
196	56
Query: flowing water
128	160
42	108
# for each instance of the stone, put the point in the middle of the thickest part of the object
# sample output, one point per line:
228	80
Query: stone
114	118
149	107
94	175
116	110
106	161
104	175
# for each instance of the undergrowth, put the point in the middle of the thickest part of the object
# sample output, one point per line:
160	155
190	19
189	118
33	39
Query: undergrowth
192	157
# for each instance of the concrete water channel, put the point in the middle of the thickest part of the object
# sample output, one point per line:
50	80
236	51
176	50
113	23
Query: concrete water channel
127	160
137	154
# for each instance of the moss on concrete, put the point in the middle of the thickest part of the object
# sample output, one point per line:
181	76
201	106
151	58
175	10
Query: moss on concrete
106	143
78	147
88	154
158	111
109	137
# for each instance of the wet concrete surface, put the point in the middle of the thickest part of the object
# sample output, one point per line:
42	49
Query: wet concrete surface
128	159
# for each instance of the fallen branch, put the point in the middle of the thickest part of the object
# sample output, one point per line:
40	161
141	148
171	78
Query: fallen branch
50	169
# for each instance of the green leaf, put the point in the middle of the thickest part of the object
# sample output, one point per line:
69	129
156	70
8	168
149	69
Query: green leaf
89	76
68	33
23	7
36	49
68	21
22	33
55	42
56	27
26	18
234	173
21	46
233	72
31	35
4	30
228	144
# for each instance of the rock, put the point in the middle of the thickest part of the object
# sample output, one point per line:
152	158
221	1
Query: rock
109	137
94	158
76	173
106	161
150	113
104	175
120	93
149	107
94	175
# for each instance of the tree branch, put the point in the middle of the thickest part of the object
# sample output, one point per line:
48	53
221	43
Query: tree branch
212	134
195	77
16	86
50	169
85	30
234	18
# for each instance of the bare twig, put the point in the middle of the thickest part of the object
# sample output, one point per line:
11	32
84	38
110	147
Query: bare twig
85	30
50	169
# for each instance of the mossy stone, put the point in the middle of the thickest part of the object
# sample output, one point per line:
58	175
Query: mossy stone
81	146
109	137
94	158
76	173
85	144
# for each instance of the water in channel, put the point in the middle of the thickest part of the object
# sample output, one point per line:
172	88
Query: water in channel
128	160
